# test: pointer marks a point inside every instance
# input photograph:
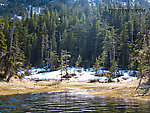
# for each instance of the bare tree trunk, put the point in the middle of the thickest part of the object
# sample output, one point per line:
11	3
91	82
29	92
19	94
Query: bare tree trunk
10	53
140	79
12	33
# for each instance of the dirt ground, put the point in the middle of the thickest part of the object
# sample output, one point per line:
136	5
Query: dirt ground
115	90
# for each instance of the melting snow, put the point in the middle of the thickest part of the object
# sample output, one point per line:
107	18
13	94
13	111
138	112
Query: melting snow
84	75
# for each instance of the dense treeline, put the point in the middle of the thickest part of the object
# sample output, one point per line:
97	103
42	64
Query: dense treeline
6	6
90	31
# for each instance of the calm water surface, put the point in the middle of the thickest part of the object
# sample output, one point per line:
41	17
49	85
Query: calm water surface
64	102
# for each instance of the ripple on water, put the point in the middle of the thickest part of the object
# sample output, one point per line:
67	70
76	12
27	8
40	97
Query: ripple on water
66	102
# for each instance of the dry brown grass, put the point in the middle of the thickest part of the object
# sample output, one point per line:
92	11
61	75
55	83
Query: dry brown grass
115	90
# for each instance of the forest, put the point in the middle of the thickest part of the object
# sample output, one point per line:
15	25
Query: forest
80	33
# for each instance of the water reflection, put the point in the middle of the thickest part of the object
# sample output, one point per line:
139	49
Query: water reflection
68	102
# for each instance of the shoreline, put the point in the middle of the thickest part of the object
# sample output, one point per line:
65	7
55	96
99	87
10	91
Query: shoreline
122	90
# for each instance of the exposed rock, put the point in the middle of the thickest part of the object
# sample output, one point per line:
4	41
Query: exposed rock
92	81
69	76
14	78
118	80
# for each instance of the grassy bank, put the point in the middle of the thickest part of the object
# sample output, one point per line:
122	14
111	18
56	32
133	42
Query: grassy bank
114	90
27	86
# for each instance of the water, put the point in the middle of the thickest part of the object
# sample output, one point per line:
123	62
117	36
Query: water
64	102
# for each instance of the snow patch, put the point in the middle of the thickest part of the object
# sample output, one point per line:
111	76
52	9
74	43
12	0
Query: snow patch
81	75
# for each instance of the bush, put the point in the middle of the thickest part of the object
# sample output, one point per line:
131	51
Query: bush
27	73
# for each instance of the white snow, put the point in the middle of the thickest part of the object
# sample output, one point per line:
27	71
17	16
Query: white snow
19	17
126	77
55	75
1	4
84	75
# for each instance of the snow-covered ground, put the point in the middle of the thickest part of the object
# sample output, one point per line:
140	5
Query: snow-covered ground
84	75
126	77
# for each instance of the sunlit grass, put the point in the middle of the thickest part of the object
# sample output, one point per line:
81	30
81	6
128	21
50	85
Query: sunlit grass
115	90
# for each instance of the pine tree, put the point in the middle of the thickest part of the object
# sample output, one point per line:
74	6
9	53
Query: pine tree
64	40
124	47
78	62
18	55
9	58
3	49
103	59
97	64
53	60
42	50
143	60
105	48
28	48
35	50
54	41
64	60
114	67
114	49
3	46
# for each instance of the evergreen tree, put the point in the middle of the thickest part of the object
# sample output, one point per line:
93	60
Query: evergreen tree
18	55
53	60
3	46
54	41
64	60
143	60
97	64
124	47
78	62
42	50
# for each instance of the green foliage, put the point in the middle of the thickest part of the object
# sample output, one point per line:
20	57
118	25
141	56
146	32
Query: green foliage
88	31
64	60
53	60
3	46
97	64
27	73
114	67
144	60
109	75
78	62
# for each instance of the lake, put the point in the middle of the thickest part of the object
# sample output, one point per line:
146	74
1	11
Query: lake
65	102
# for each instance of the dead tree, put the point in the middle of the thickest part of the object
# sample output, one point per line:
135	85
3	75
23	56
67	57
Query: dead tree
5	60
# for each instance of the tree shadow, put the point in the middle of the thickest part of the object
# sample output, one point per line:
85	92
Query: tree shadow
146	87
1	79
56	83
146	90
